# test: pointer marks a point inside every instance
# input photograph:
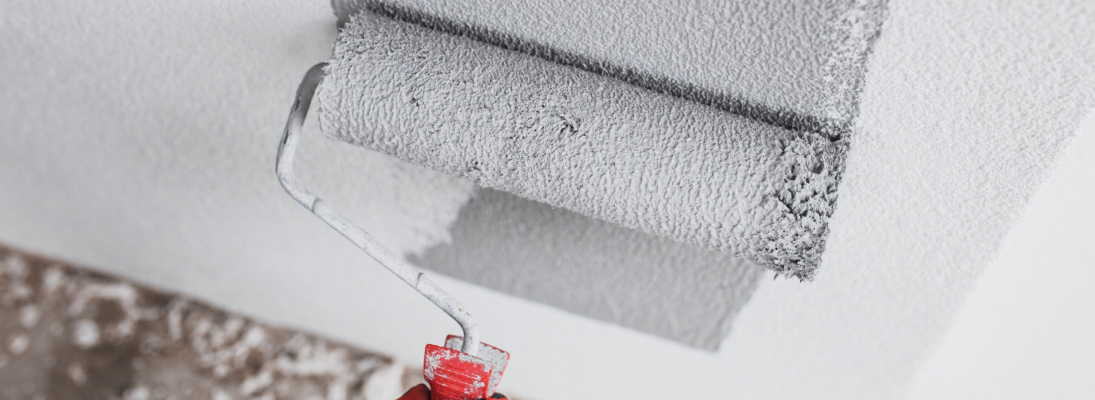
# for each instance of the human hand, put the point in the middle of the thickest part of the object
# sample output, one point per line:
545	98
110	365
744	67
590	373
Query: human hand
421	392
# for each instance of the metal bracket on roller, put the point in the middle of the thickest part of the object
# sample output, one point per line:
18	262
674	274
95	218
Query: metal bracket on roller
358	236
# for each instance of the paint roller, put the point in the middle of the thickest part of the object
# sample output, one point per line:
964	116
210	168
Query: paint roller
473	371
586	142
569	136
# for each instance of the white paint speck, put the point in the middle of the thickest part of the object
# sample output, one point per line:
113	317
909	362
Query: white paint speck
85	333
137	393
14	266
256	383
174	319
77	373
52	280
28	316
433	361
219	394
19	344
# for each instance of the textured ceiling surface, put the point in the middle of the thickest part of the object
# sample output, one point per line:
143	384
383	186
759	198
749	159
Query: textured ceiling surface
141	140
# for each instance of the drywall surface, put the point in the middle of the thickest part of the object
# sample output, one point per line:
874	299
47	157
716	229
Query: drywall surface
595	268
1025	330
584	142
799	62
141	139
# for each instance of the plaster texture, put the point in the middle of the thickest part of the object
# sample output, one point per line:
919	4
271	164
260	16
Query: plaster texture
141	139
594	268
584	142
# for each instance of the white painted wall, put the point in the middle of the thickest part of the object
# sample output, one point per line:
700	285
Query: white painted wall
1025	330
140	138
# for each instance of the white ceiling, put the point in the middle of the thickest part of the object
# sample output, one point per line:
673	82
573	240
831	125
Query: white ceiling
140	140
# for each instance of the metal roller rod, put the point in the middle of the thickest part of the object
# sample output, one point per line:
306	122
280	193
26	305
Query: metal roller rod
358	236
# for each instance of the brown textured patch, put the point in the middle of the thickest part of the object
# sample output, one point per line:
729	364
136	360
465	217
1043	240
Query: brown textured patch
71	333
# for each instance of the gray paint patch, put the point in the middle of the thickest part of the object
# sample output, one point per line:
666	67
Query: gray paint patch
594	268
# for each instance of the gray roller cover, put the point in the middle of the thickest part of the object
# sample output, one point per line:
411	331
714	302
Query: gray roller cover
584	141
